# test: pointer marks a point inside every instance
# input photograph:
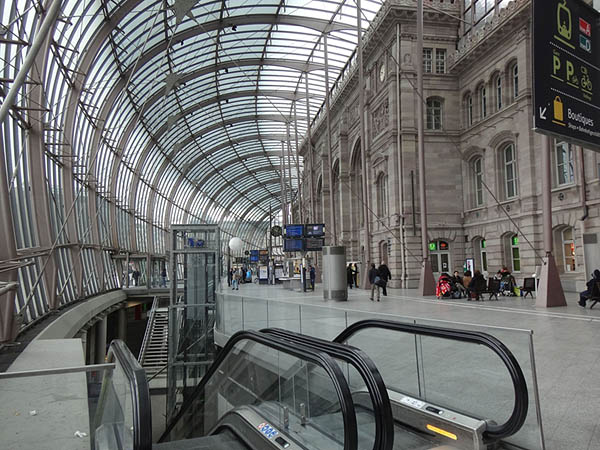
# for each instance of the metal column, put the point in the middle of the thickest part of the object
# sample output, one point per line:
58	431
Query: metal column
550	292
363	150
426	280
310	153
332	202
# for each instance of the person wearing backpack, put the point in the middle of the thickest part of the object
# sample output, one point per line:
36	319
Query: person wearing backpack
374	279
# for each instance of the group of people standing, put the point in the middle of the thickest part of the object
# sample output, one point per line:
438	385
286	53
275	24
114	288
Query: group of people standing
378	277
352	275
237	276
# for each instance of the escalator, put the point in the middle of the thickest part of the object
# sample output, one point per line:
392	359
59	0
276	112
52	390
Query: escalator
260	393
421	424
277	389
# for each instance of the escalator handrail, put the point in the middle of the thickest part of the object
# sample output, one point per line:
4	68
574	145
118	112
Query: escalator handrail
493	431
302	352
141	407
382	410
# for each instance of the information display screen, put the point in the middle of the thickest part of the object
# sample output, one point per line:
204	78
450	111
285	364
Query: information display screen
314	244
293	231
293	245
263	256
253	255
314	230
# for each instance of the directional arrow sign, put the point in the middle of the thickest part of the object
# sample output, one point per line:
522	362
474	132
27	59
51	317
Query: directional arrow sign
566	69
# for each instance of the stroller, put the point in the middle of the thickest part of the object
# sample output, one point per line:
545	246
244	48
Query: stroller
507	285
443	287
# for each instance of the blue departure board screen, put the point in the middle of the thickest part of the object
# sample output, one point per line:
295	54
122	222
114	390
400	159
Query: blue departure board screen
294	231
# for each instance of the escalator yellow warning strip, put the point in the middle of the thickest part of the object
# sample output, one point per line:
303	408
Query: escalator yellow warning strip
442	432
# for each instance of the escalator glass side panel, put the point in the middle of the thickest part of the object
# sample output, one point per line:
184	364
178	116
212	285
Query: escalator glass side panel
363	376
123	416
298	385
469	372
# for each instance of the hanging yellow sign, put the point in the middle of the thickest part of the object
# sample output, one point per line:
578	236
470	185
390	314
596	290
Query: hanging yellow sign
558	111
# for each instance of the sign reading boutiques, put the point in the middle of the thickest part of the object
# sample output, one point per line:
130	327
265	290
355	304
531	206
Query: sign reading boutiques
566	70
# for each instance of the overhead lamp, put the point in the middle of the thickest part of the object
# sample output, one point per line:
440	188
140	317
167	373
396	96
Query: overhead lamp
234	28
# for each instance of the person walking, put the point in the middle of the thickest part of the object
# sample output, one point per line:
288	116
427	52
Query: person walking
136	277
312	277
163	277
355	274
374	279
235	283
385	275
349	275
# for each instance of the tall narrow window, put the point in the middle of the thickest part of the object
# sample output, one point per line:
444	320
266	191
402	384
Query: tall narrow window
382	196
484	264
483	99
515	80
499	93
434	114
568	243
427	60
478	181
510	171
470	110
565	171
515	253
440	60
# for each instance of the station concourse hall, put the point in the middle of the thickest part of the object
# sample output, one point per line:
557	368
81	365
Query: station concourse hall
300	224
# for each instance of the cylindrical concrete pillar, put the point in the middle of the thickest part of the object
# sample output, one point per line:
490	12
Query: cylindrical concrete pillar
90	357
100	352
335	286
122	324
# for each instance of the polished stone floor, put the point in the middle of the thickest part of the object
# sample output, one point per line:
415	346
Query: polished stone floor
566	343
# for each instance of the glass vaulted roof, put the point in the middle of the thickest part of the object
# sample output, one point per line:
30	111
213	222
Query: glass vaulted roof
183	107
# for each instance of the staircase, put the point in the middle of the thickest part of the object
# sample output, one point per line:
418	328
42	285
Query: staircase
154	353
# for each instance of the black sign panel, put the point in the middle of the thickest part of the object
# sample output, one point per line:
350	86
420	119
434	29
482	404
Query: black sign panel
566	69
314	244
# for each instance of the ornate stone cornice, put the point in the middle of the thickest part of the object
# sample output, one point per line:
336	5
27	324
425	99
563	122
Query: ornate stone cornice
475	43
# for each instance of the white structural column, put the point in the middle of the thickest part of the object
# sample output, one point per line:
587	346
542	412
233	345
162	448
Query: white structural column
550	291
363	150
309	149
332	203
289	169
297	161
426	280
283	195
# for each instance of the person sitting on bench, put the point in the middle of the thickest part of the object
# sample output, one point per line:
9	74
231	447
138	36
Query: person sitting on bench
585	295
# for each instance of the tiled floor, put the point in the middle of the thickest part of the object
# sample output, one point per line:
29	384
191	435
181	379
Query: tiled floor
566	342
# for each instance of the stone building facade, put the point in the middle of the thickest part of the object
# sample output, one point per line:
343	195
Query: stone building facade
483	163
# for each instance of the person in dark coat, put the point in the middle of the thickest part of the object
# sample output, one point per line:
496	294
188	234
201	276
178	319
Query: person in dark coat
312	273
585	295
349	275
477	284
385	275
374	279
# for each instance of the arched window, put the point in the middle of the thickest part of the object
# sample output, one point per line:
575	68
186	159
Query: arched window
469	107
483	101
568	248
515	80
434	114
382	195
565	171
498	92
477	167
509	165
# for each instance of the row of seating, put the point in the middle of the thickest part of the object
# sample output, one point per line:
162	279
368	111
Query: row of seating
493	289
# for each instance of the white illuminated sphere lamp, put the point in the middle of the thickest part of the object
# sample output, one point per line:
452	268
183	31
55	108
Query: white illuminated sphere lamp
236	244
